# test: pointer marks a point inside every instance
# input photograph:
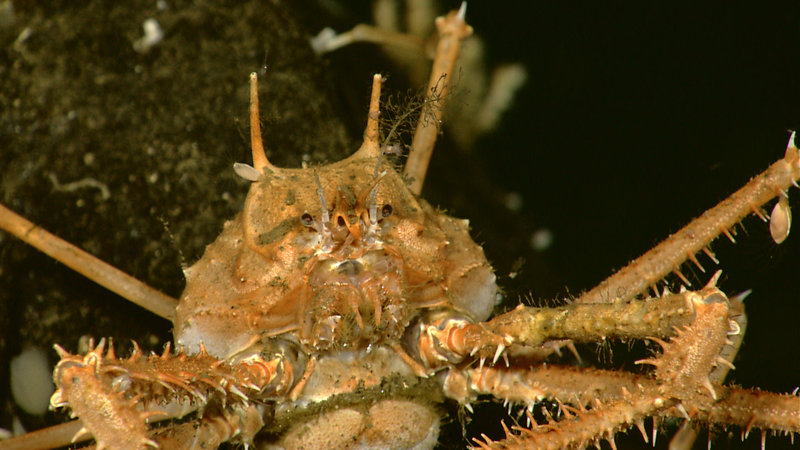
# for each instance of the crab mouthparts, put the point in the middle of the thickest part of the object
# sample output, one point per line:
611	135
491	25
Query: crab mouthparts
354	297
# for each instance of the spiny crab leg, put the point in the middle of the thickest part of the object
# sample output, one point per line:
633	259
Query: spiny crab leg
87	265
687	434
584	386
645	271
211	432
745	408
682	387
533	327
452	30
99	385
681	372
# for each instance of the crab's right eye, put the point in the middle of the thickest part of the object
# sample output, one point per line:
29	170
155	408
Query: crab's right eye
307	220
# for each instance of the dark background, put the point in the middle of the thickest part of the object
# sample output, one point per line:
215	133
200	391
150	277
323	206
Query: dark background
634	120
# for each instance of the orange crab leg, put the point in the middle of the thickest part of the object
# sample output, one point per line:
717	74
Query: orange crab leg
104	391
51	437
650	268
452	30
532	327
87	265
681	383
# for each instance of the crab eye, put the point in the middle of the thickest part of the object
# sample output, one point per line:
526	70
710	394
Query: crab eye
386	211
306	219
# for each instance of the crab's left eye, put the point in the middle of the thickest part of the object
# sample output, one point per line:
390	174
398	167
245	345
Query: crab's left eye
307	220
386	211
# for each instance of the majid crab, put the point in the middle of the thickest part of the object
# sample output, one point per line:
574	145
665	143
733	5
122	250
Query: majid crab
337	296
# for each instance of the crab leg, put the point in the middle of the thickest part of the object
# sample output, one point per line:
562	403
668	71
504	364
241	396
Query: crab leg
685	385
87	265
745	408
212	430
115	397
681	376
51	437
684	438
646	270
587	323
567	383
446	339
452	29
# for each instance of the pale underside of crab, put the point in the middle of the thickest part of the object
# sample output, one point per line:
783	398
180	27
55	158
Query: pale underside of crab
338	307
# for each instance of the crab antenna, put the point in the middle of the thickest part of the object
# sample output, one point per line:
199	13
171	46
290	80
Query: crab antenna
325	215
260	160
371	147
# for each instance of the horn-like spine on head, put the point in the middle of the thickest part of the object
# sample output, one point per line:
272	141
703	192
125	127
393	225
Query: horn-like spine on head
260	161
371	147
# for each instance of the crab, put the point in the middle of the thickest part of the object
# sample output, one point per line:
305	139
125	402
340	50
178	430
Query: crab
459	356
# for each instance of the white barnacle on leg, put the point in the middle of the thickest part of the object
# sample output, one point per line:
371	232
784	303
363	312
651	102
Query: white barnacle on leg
780	221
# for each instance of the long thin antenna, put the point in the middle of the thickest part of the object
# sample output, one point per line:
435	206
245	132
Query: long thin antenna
326	217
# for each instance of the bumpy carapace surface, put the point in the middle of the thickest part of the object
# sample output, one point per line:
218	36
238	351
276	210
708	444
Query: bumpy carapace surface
337	257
